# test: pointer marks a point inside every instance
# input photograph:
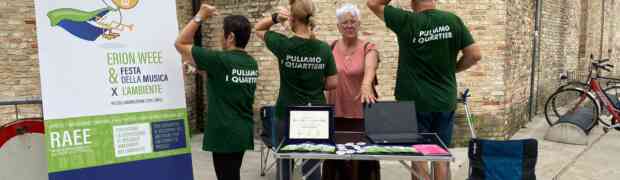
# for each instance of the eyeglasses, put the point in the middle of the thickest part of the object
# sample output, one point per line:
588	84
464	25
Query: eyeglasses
349	22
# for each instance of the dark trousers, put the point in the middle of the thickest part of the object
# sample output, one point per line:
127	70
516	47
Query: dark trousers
227	165
350	170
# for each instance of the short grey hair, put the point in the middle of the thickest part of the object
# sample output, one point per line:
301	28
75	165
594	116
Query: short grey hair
348	8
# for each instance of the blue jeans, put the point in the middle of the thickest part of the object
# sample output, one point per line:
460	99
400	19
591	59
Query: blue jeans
441	123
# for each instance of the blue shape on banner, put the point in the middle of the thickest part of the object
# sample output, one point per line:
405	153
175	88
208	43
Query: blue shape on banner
90	25
175	167
168	135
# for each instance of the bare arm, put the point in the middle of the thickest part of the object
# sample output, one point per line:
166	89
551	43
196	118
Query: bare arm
367	94
471	56
263	25
185	41
331	82
378	7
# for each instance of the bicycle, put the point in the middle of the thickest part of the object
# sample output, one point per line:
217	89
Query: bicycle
579	84
584	100
612	86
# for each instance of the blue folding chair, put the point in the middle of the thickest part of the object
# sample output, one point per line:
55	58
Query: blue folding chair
500	160
269	138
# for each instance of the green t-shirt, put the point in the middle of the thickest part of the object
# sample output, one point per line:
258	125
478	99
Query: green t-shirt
304	65
231	85
429	43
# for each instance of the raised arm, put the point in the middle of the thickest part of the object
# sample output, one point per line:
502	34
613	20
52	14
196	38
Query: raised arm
378	7
367	94
471	56
263	25
185	40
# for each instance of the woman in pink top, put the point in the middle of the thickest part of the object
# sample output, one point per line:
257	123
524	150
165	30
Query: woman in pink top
356	61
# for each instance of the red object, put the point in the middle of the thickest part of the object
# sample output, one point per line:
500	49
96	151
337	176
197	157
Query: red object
20	127
430	149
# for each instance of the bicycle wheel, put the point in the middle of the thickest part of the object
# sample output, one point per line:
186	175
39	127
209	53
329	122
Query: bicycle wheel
22	150
568	101
554	107
613	92
573	84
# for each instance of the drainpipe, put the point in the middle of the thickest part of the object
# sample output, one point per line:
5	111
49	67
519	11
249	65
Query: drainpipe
198	36
198	79
535	59
602	29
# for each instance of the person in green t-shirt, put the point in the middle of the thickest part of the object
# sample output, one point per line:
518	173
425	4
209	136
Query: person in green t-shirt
232	75
429	42
306	65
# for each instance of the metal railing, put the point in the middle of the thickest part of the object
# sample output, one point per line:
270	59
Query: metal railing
16	102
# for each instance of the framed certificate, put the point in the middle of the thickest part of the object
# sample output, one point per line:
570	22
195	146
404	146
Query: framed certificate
310	124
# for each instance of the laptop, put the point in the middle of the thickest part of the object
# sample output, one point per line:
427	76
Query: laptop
391	123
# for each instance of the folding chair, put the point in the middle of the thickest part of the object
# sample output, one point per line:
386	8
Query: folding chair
500	160
268	137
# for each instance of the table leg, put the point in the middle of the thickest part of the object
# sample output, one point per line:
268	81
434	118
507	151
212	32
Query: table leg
290	169
410	168
314	168
432	170
280	170
302	163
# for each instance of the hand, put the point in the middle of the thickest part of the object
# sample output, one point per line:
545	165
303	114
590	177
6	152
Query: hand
283	14
207	10
367	94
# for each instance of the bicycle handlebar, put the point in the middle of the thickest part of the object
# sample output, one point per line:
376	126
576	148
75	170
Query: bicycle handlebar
610	66
465	95
603	61
602	65
606	69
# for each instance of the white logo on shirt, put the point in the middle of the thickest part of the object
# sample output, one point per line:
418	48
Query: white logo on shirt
242	76
438	33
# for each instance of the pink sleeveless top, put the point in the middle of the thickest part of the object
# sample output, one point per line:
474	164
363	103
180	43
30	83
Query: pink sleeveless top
350	77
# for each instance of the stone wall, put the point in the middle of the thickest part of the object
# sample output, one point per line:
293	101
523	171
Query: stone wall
485	19
520	25
500	84
19	66
571	32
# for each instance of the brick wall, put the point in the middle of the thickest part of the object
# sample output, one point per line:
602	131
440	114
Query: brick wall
192	94
616	34
500	83
519	49
503	29
571	31
485	20
487	80
19	68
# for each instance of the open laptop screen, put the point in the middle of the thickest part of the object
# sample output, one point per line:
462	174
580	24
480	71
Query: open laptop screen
390	118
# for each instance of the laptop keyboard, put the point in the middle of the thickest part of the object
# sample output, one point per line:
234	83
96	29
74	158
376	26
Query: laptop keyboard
395	138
